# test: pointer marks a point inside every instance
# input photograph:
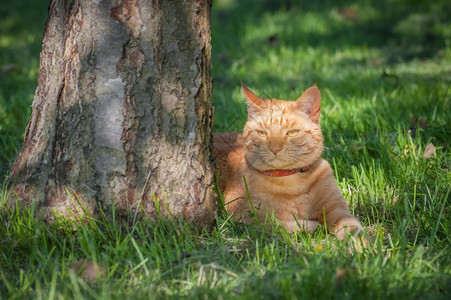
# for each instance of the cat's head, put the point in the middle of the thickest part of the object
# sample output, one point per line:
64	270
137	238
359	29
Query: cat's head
282	134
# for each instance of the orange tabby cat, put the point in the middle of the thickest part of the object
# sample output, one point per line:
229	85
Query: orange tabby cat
279	155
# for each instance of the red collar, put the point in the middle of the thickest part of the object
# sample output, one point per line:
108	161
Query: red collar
280	173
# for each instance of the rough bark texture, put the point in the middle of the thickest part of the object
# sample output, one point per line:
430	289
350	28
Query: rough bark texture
122	111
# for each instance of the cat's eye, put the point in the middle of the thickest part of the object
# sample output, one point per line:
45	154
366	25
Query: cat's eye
262	133
292	132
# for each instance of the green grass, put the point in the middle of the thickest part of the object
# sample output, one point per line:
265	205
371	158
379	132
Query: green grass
384	70
21	33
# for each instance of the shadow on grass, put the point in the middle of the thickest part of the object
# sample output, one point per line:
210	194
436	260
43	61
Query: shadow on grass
347	46
406	29
21	32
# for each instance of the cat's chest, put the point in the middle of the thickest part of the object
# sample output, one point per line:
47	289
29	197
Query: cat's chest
280	192
297	188
284	203
293	186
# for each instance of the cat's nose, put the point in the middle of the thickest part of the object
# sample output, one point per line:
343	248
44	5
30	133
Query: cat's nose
275	148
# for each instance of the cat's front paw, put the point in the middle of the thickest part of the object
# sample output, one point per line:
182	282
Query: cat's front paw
300	225
350	227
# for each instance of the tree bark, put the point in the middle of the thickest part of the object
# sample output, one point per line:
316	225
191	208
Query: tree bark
122	112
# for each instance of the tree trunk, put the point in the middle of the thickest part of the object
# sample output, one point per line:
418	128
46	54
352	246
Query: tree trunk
122	112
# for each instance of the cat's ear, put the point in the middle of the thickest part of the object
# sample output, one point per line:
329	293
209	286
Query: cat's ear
253	101
310	103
